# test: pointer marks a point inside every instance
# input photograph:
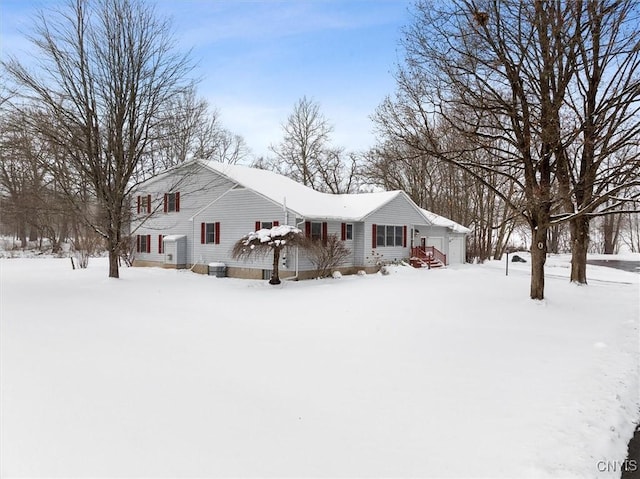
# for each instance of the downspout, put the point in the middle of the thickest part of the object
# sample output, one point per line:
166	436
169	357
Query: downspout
295	277
193	243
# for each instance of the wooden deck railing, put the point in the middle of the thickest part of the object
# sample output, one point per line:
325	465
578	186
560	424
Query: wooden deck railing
429	254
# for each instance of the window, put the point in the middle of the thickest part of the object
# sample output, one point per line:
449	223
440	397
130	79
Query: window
143	243
210	233
144	204
346	232
172	202
316	230
386	235
266	225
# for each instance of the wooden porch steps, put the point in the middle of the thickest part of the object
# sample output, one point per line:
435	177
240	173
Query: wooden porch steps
425	263
427	257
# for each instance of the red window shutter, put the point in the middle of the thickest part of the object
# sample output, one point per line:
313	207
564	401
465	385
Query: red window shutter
165	202
217	229
148	243
374	232
343	231
203	232
177	201
137	243
404	236
258	224
149	204
307	229
276	223
138	204
160	244
324	232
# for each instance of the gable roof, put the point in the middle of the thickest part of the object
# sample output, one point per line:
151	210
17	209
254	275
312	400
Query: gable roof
309	203
305	201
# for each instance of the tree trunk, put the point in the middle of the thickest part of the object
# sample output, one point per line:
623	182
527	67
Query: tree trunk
538	259
114	272
113	245
22	233
579	247
611	232
275	277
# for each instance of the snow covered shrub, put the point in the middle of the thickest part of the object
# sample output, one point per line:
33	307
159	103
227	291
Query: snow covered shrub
361	272
327	255
385	270
336	275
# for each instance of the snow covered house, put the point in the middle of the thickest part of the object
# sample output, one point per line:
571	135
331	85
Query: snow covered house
191	215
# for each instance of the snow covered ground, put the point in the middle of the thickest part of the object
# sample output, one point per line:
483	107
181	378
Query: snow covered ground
442	373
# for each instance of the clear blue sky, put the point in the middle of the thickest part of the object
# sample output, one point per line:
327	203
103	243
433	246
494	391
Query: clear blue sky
256	58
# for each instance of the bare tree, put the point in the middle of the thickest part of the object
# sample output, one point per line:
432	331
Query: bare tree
630	235
23	178
306	155
189	129
306	135
262	242
505	76
106	70
603	106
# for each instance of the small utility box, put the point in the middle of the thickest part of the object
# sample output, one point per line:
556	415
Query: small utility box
219	270
175	251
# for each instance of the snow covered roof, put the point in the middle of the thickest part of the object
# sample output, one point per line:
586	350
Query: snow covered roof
309	203
170	238
305	201
438	220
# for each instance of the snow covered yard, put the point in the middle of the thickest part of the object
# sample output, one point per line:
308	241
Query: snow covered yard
450	373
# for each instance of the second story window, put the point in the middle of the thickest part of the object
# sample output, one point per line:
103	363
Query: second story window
144	204
172	202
